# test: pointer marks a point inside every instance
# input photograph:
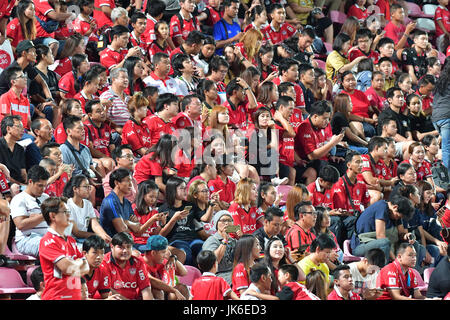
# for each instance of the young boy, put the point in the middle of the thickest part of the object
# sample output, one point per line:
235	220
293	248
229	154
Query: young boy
182	23
291	289
343	285
442	24
390	166
385	65
209	286
278	30
386	49
396	30
52	188
363	39
37	279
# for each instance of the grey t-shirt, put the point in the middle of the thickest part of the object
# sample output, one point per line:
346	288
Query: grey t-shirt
226	264
441	105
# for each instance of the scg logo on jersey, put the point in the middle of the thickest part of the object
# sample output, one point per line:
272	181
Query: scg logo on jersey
124	285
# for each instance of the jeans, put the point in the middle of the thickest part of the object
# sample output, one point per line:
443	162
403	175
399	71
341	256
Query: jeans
443	127
361	150
29	245
191	249
363	248
369	130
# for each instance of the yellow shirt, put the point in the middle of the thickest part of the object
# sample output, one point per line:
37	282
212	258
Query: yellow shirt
388	83
335	61
302	17
306	265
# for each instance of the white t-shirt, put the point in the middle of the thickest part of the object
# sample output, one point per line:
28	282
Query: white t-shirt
24	204
245	296
370	280
81	216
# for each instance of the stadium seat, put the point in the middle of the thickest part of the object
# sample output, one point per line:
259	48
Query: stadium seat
192	274
328	46
429	9
425	24
423	287
415	11
284	189
11	282
338	17
321	64
29	272
441	57
14	253
348	257
427	274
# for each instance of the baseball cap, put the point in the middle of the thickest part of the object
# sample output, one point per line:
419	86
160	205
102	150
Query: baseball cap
155	242
24	45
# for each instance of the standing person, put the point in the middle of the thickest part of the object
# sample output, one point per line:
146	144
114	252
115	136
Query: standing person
245	254
222	244
397	279
58	252
126	274
26	212
441	112
226	30
182	23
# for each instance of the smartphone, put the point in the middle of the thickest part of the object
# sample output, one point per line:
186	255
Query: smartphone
232	229
188	208
342	131
303	248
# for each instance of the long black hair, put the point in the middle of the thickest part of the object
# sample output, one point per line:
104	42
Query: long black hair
74	182
77	60
144	188
129	64
163	150
171	190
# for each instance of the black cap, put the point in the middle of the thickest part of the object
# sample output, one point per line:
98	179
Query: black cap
23	46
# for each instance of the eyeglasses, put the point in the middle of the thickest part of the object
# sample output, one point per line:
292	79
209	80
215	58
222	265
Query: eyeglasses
22	76
19	126
226	220
314	213
204	191
129	156
65	212
87	187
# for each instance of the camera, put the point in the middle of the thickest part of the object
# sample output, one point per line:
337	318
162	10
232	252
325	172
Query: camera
316	11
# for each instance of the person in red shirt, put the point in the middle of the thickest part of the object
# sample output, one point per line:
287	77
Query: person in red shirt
343	285
397	279
358	10
237	89
69	107
320	190
23	26
244	214
126	274
288	70
209	286
94	251
160	43
61	261
102	12
191	109
46	12
291	289
182	23
363	38
155	13
70	83
396	30
376	94
138	22
299	237
416	152
160	123
223	184
14	102
84	24
278	30
442	25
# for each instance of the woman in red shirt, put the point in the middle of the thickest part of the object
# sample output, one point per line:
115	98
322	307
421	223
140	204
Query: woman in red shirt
23	27
245	253
160	44
135	67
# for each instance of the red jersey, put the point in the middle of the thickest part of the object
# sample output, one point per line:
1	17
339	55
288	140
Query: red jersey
158	127
42	9
384	7
423	171
64	31
184	164
297	237
182	120
249	221
237	115
296	119
360	103
67	85
147	168
276	37
374	99
99	136
148	36
80	96
285	146
353	54
300	292
109	58
239	279
358	191
394	32
58	286
161	272
228	188
56	189
441	14
334	295
6	8
213	16
319	196
83	26
10	104
143	218
97	283
299	97
370	165
210	287
176	30
391	276
309	138
358	12
154	48
101	18
137	135
388	171
14	32
64	66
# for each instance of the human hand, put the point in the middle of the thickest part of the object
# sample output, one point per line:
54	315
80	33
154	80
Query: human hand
135	51
178	295
410	27
239	233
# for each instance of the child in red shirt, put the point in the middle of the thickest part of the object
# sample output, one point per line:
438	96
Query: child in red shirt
209	286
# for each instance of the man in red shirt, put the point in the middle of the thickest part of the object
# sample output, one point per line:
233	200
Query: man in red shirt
45	11
288	70
14	102
61	261
160	123
182	23
343	285
236	91
398	279
102	12
299	236
364	40
278	30
126	274
155	12
320	190
351	196
191	108
442	24
425	91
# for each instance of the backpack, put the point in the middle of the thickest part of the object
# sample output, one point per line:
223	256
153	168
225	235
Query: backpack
181	19
49	26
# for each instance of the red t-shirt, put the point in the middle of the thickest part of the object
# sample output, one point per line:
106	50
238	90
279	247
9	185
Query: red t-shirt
80	96
286	31
309	139
42	8
109	58
237	115
360	103
213	17
301	292
374	99
129	281
61	136
64	66
388	171
249	221
158	127
137	135
97	283
358	191
14	32
6	8
318	196
148	36
147	168
210	287
336	296
58	286
443	15
368	165
285	146
353	54
423	171
358	12
384	7
10	104
154	48
392	277
394	32
297	237
142	239
239	279
188	26
101	18
67	85
82	27
227	188
299	98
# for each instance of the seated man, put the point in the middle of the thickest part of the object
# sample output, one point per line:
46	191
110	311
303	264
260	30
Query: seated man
398	279
320	190
343	285
299	237
273	219
261	281
63	171
26	212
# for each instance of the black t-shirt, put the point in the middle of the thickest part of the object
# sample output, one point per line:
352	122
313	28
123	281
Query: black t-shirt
185	229
52	82
309	97
5	85
403	125
14	161
419	63
264	239
420	123
439	284
338	122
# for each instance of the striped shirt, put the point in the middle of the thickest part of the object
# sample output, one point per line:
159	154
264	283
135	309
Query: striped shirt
118	113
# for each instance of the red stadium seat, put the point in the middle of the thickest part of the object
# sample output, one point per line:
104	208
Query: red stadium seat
427	274
11	282
338	17
348	257
423	287
193	273
415	11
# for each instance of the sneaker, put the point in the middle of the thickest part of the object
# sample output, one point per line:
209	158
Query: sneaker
278	181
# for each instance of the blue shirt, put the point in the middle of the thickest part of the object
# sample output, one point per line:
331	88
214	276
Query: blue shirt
220	33
366	222
111	209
